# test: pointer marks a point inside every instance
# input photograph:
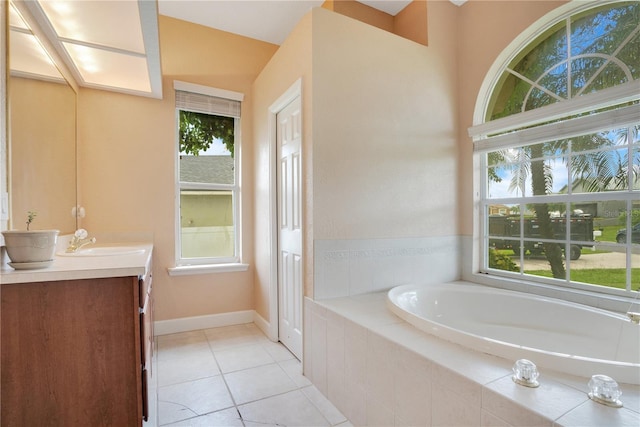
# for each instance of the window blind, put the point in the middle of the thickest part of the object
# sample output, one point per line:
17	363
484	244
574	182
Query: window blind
207	104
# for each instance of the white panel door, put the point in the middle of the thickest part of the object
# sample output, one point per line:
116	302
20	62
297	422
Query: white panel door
289	139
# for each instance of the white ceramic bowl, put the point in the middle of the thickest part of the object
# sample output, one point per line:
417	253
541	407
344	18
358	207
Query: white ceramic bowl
30	246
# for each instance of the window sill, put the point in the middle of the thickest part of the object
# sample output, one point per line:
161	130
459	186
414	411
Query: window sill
188	270
615	301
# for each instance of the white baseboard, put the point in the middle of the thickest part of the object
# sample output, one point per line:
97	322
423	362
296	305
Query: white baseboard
265	327
185	324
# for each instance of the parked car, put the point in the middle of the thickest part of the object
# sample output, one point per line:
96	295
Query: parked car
621	237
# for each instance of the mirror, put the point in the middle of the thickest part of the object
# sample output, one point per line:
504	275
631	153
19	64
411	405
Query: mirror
41	107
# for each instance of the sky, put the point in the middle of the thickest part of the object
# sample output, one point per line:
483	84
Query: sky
217	148
501	189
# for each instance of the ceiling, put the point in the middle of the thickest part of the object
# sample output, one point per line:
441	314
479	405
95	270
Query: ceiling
266	20
83	46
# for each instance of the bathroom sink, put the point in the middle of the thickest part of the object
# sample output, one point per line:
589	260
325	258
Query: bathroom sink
104	251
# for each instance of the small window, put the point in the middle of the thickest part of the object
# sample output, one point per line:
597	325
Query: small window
208	147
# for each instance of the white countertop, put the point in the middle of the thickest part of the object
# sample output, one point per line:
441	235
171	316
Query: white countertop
85	267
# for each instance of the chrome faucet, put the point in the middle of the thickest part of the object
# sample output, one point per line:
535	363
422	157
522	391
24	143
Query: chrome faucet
79	239
634	317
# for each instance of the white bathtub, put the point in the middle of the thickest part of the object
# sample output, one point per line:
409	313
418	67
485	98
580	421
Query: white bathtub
554	334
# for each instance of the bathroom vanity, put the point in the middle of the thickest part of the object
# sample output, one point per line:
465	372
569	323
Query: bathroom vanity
77	341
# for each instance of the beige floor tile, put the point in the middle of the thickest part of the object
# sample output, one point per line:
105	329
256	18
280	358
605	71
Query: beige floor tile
293	368
289	409
180	338
195	397
210	377
250	424
325	407
169	412
233	336
257	383
225	418
278	351
185	368
186	344
243	357
184	357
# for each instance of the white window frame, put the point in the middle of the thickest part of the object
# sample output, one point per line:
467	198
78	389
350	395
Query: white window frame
185	266
483	134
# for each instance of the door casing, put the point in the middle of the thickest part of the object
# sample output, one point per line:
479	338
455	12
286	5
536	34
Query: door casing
294	91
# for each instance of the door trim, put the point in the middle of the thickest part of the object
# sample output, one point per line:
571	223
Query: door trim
294	91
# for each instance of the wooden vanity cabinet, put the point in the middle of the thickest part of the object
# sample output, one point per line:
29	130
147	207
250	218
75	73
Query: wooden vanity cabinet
76	352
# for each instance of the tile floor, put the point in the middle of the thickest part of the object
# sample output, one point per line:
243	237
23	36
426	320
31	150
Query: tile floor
235	376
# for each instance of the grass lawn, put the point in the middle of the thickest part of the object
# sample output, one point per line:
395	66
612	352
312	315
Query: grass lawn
608	233
612	277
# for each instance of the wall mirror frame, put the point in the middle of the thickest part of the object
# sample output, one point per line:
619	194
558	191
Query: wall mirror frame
41	116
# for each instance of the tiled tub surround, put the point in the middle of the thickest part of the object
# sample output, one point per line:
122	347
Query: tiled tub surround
379	370
357	266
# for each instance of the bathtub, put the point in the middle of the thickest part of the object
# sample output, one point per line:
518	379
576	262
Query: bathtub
554	334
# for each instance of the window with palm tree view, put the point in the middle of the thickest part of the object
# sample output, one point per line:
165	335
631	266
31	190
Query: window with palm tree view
560	154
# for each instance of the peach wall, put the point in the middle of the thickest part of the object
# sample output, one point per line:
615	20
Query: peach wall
411	22
486	29
127	162
361	12
382	112
384	119
291	62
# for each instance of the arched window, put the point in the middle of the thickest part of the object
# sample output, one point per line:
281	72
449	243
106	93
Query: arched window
557	138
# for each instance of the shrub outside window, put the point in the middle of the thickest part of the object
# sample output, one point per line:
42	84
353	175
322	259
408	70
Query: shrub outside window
560	155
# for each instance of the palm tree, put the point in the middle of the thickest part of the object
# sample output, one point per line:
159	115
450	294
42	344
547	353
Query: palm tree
606	170
599	170
528	161
541	183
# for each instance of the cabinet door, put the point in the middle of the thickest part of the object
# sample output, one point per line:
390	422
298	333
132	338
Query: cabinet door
71	353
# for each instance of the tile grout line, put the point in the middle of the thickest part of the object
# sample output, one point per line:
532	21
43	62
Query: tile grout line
256	340
224	379
274	361
276	358
301	388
